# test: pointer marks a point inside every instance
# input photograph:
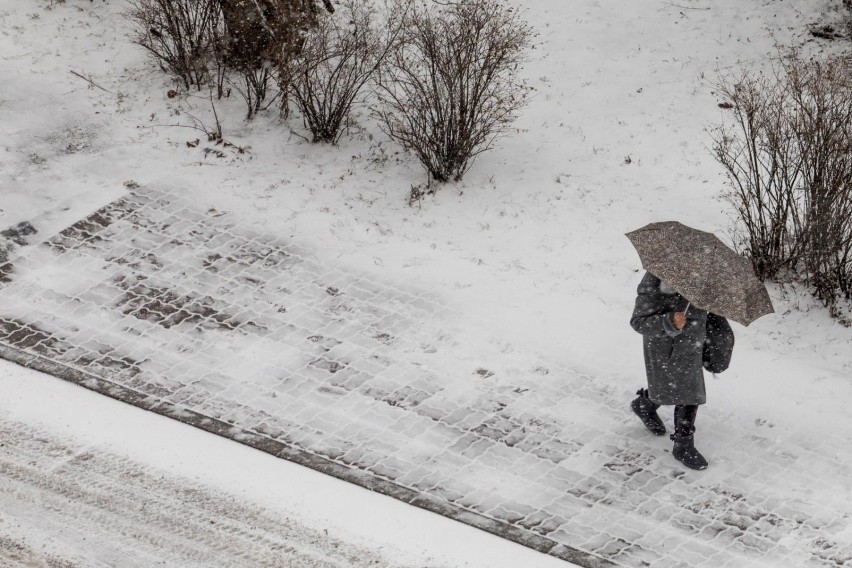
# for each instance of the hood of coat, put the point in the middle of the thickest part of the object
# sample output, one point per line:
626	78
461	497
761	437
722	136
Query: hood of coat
666	289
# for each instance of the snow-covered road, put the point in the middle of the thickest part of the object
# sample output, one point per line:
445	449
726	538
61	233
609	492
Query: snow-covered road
63	504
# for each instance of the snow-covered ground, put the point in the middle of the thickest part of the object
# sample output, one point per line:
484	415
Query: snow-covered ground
529	246
88	481
532	240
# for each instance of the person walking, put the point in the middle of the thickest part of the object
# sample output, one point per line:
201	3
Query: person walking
694	283
679	342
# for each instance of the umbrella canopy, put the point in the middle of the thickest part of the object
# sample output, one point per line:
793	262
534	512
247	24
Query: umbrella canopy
703	269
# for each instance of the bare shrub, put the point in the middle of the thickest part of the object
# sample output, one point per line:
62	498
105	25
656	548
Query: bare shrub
760	155
214	133
218	68
450	86
256	28
822	93
267	34
180	34
253	86
788	156
337	59
208	41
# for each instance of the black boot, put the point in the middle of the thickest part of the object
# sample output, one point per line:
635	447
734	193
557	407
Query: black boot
646	409
684	440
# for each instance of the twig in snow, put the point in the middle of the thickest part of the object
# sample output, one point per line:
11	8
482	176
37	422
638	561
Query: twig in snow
89	81
294	133
673	5
192	126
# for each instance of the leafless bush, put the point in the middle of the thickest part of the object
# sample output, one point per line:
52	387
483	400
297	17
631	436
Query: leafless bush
253	86
450	86
256	29
823	97
788	156
214	133
760	155
267	34
218	67
338	58
180	34
244	43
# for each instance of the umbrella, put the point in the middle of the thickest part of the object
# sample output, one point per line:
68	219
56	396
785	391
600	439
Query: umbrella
703	269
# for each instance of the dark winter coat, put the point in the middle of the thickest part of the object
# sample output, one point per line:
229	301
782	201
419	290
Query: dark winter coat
673	358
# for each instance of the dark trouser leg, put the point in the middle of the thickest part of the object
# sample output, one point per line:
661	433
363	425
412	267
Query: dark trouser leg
684	437
684	419
646	410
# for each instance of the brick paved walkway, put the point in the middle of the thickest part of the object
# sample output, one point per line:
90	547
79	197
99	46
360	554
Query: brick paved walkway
154	301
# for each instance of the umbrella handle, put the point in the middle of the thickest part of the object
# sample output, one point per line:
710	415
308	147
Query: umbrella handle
686	309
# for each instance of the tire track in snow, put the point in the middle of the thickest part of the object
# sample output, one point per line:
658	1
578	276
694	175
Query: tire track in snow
65	508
